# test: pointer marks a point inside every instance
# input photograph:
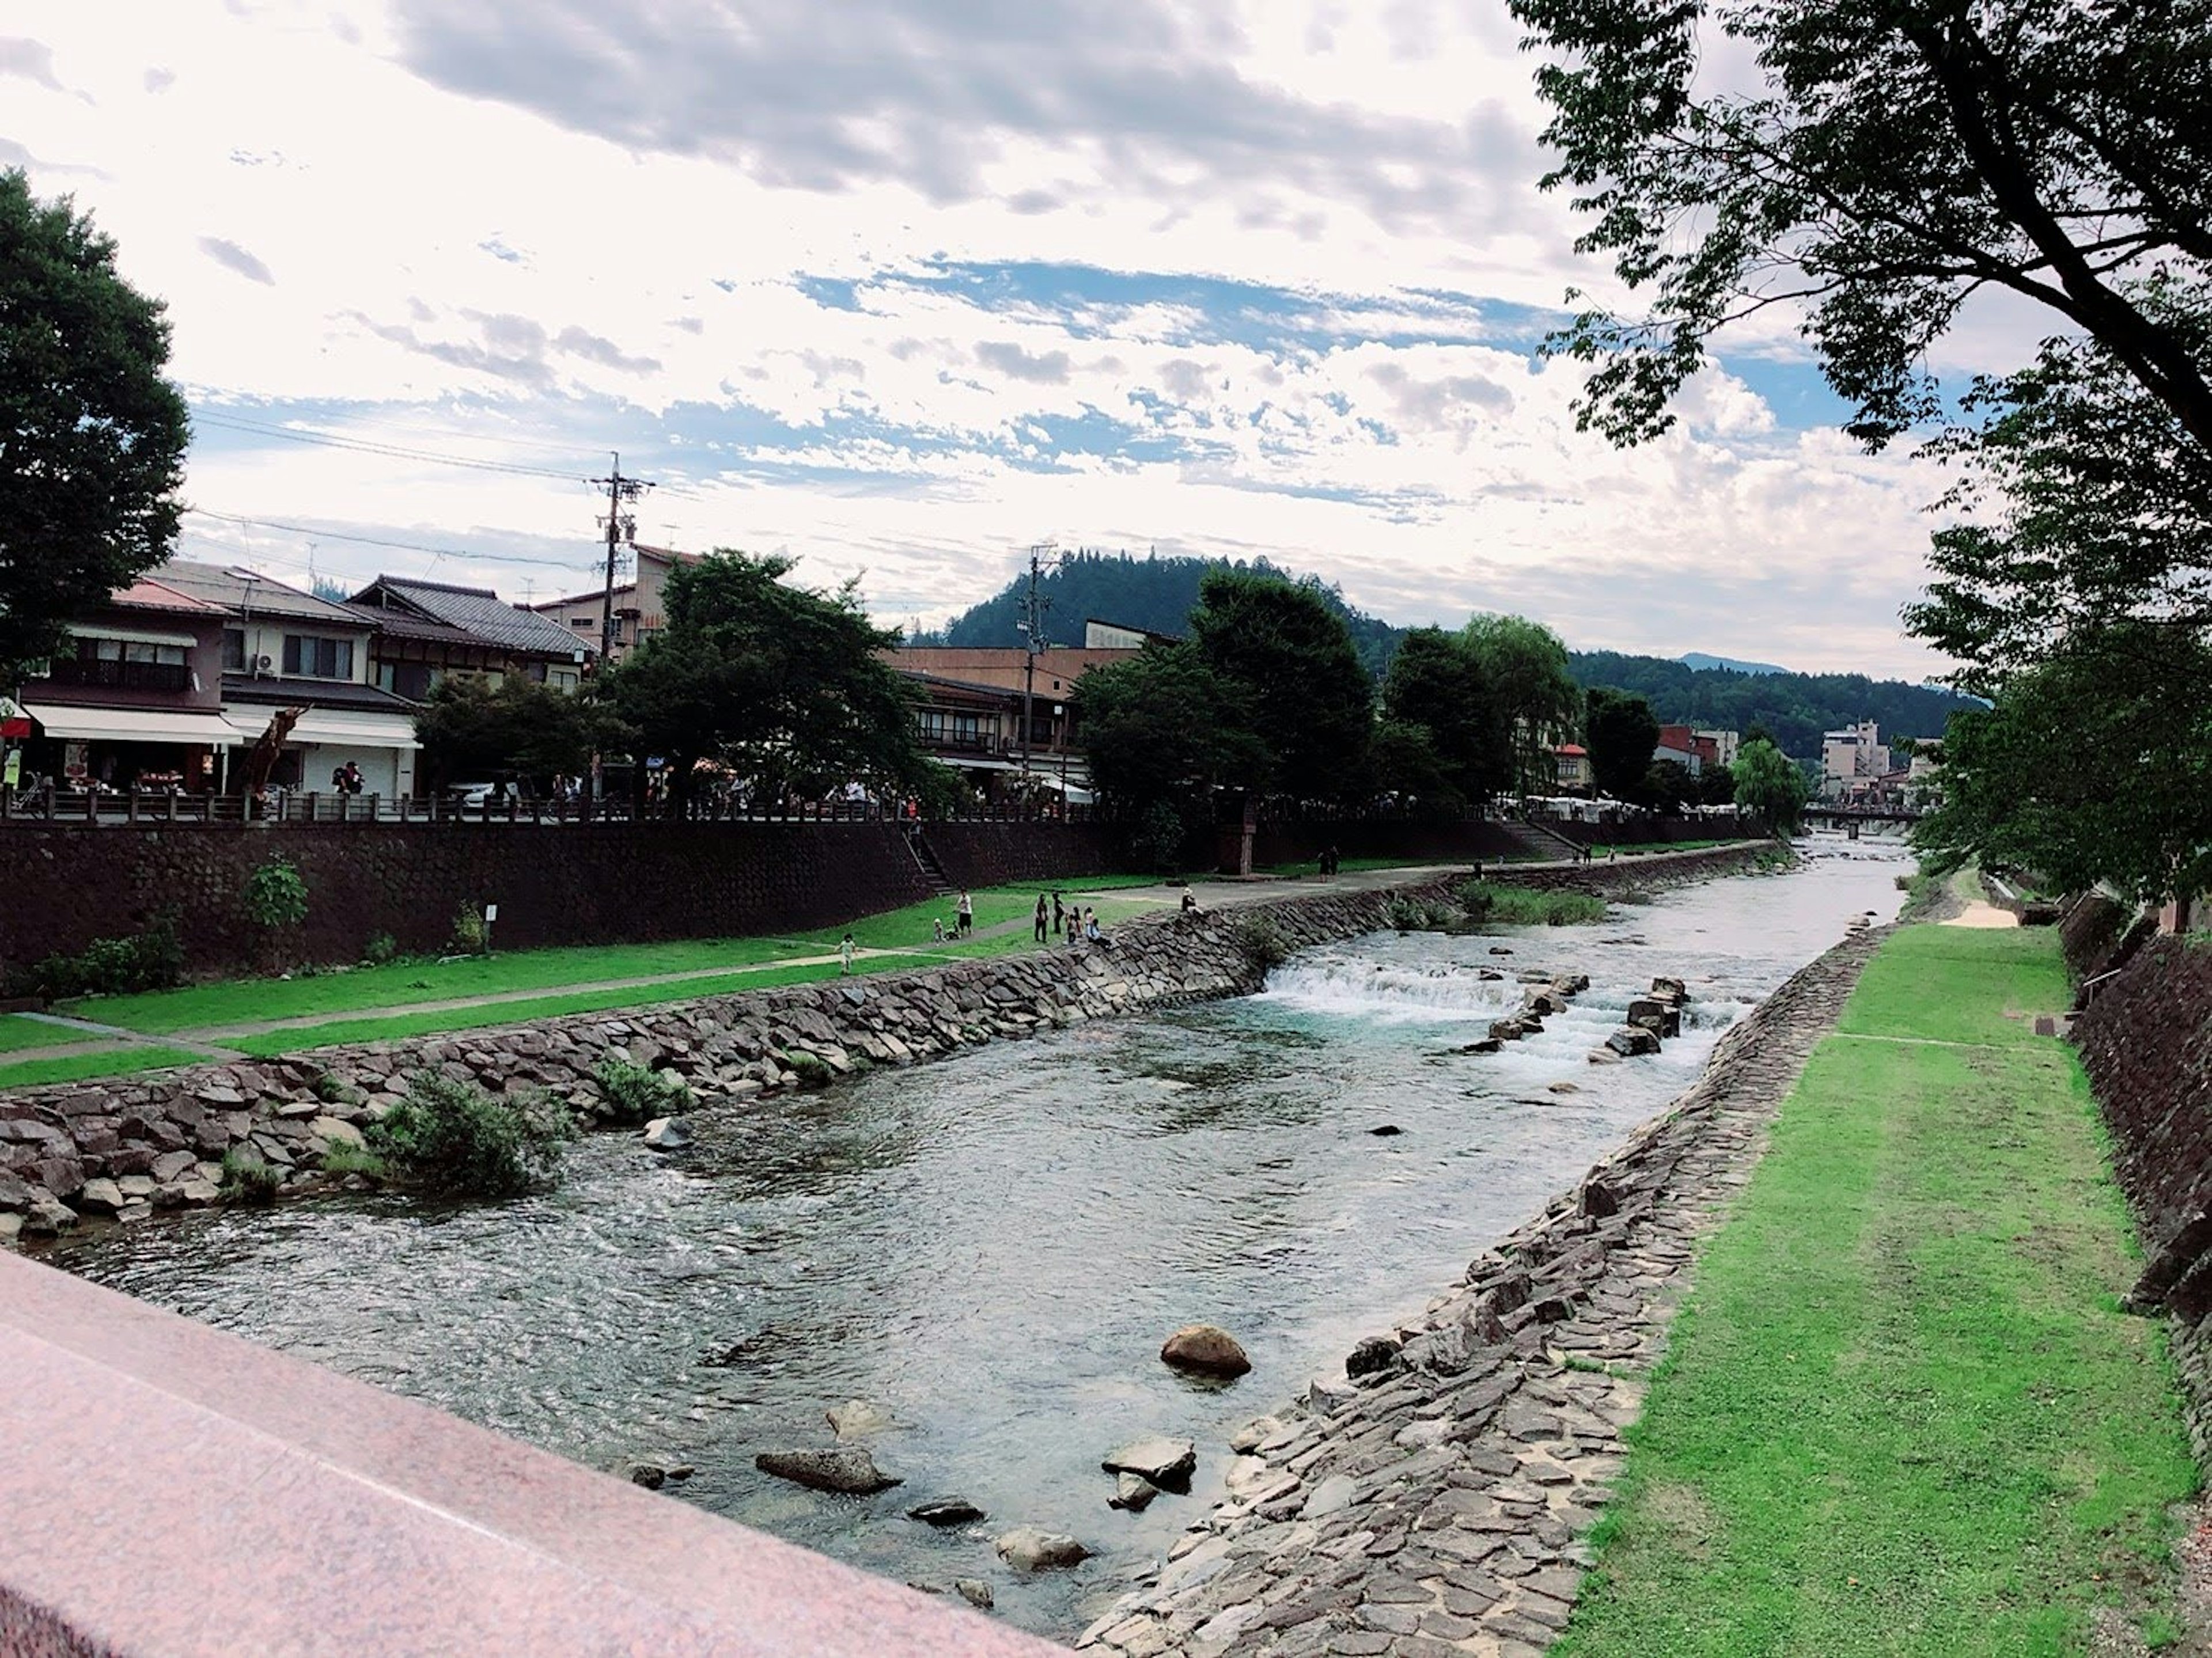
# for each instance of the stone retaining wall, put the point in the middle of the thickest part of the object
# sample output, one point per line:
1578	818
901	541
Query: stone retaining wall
1433	1500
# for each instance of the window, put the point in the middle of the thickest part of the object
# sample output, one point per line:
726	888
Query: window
125	664
234	650
313	657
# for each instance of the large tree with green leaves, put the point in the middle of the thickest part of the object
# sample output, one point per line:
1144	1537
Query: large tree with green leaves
92	436
1163	727
473	731
2094	765
1769	786
1872	164
1290	661
1445	738
1622	733
781	683
1524	664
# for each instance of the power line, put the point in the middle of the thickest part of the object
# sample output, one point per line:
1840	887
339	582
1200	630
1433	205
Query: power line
380	541
372	447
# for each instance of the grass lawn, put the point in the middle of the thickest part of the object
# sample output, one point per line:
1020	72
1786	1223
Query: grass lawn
1312	866
17	1033
1607	849
1901	1413
119	1061
234	1002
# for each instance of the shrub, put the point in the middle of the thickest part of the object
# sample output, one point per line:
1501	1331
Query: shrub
275	896
1157	844
471	936
382	947
1500	906
330	1091
452	1137
812	1070
150	960
1417	914
339	1160
247	1178
636	1093
1258	937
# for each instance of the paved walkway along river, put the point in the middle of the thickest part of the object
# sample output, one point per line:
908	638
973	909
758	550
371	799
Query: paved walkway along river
1434	1505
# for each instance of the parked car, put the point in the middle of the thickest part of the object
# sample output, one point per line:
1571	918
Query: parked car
472	797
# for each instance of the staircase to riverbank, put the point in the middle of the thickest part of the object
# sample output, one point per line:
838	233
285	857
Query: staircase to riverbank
925	856
1537	842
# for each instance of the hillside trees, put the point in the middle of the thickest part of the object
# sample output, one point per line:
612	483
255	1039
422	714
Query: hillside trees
781	684
1874	164
92	436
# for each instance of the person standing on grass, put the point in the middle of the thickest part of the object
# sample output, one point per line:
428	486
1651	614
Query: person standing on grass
967	915
845	955
1041	915
1059	916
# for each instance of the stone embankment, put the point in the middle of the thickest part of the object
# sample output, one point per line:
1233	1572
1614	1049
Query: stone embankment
1433	1500
127	1147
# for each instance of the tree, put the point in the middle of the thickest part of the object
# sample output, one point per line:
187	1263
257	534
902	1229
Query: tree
1525	665
1622	732
2084	508
1668	786
472	731
781	683
1769	785
2094	765
1444	738
1897	157
92	437
1161	727
1290	661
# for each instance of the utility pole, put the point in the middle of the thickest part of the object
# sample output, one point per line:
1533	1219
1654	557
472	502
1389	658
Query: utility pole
621	527
1032	625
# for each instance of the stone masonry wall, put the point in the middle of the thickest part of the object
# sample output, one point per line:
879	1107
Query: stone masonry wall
129	1145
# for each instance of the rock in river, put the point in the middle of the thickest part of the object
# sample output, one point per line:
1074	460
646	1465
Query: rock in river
947	1511
847	1469
668	1134
856	1418
1027	1549
1132	1491
1371	1357
975	1592
1205	1347
1166	1462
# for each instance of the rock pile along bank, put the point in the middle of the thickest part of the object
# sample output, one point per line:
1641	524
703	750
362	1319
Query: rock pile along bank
1432	1501
128	1147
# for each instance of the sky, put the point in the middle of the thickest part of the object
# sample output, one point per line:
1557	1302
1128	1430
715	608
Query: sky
901	287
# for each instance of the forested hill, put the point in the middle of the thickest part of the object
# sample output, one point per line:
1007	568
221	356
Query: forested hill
1157	595
1153	592
1795	707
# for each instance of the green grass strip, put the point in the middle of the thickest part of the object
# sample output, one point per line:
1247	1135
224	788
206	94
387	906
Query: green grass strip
122	1060
17	1033
1901	1413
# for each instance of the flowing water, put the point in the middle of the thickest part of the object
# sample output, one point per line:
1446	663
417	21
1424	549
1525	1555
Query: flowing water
992	1249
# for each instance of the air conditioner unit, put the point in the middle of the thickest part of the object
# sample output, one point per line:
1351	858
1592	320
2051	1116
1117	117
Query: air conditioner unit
262	664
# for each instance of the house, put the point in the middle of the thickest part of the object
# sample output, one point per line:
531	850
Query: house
281	649
1726	745
640	611
427	630
1571	762
135	698
976	728
1851	759
1691	750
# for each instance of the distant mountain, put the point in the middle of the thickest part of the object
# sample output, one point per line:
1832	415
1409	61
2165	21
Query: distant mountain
1699	659
1157	594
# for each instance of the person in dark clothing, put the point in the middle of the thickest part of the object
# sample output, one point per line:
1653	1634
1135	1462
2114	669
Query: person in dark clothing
1059	915
1040	919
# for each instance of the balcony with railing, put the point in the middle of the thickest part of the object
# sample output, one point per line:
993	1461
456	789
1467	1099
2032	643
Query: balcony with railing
108	673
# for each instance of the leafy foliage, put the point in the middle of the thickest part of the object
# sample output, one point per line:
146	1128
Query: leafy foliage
152	958
1260	939
472	731
781	684
471	934
2094	765
635	1093
1621	731
1891	160
1287	660
1445	738
275	896
1769	786
248	1177
94	435
1526	669
1790	709
450	1137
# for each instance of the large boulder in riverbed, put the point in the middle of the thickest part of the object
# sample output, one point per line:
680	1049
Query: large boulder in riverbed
947	1511
1027	1549
1632	1040
1132	1493
856	1418
1167	1463
1372	1356
847	1468
1206	1348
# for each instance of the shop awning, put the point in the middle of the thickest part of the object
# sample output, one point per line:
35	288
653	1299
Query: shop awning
60	719
335	727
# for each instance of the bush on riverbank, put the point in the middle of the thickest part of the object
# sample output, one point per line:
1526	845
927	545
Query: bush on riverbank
636	1093
1258	937
1498	906
451	1137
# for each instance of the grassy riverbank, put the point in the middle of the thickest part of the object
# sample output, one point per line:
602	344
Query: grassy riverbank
1901	1412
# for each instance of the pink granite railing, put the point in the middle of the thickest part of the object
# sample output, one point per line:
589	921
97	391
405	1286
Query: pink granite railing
172	1490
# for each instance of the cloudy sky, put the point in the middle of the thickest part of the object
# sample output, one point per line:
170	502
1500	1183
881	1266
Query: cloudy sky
901	287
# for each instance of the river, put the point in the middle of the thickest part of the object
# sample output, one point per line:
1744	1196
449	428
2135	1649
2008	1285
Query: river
992	1247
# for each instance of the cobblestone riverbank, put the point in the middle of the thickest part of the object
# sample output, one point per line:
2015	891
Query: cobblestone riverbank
1434	1500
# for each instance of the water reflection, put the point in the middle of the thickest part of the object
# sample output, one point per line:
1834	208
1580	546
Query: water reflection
992	1249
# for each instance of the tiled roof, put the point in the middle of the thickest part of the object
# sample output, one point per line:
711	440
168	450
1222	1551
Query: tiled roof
146	594
480	612
213	585
313	694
